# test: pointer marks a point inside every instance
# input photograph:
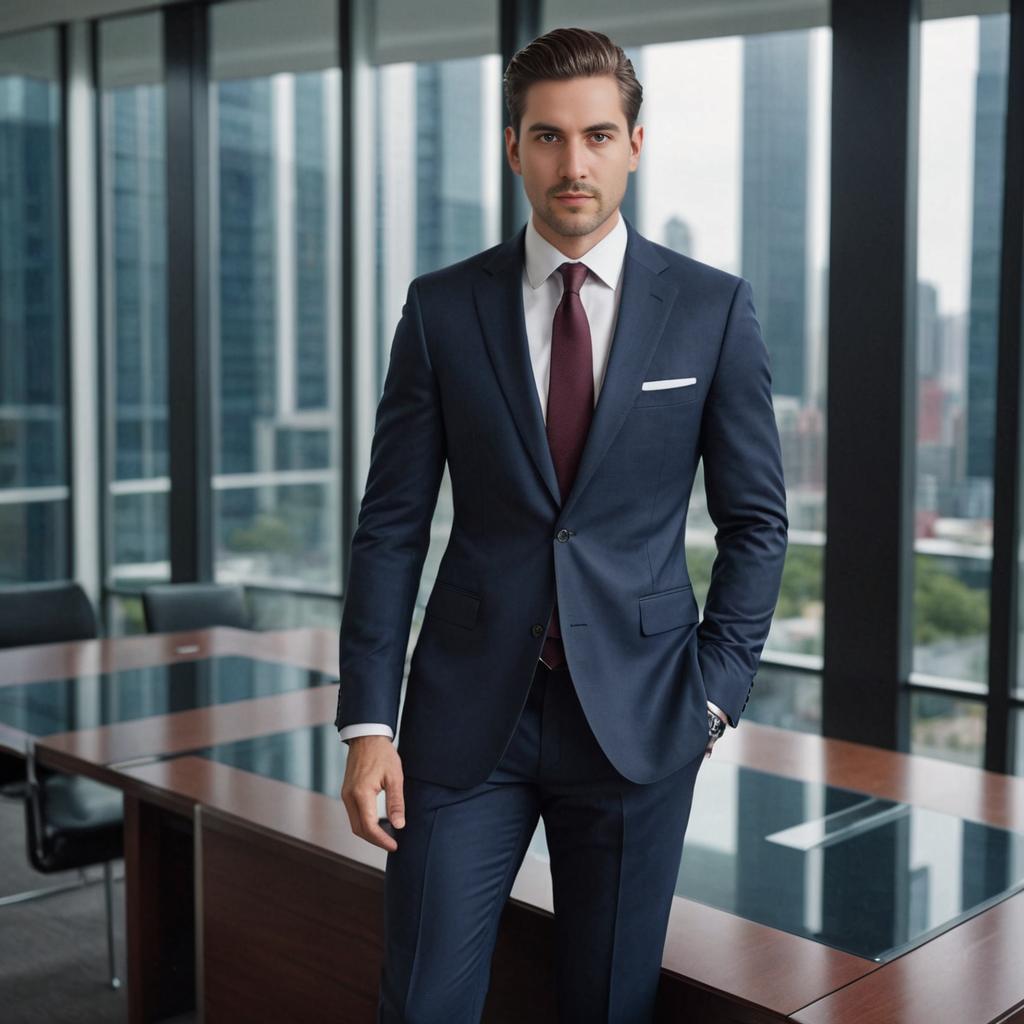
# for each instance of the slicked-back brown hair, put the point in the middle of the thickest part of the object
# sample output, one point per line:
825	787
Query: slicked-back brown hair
570	53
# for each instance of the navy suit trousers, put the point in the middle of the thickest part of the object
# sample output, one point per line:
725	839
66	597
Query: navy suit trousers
615	848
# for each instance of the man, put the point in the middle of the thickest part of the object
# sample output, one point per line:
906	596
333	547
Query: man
572	377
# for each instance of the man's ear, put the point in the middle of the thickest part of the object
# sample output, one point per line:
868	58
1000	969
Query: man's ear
636	143
512	150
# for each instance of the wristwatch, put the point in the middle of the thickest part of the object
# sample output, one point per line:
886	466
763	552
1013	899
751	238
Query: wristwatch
715	725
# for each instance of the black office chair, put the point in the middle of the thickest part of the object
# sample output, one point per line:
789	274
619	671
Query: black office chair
176	607
74	822
71	821
45	613
39	613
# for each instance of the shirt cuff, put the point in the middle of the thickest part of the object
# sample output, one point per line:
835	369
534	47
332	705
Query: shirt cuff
365	729
721	714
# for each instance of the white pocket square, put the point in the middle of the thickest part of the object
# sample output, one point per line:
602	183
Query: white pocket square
673	382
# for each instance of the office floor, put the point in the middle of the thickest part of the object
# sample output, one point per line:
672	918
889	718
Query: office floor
53	951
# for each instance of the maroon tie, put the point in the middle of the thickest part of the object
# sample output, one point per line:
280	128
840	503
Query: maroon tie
570	407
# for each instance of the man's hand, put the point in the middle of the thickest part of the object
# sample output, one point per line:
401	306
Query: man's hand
373	764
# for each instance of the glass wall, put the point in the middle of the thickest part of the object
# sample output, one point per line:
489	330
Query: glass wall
735	174
948	727
34	474
133	238
960	197
962	125
275	226
438	153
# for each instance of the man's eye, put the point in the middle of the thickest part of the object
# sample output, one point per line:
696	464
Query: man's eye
602	134
548	135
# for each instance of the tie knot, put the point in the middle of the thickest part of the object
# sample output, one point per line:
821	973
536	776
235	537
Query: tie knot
573	275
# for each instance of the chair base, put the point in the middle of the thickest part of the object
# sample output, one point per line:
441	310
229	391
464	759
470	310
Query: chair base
27	895
83	880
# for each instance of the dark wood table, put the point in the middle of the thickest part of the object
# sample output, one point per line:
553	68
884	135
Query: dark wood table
158	860
317	942
253	896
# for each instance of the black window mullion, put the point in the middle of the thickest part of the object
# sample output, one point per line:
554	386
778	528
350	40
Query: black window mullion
189	282
1006	532
871	372
518	24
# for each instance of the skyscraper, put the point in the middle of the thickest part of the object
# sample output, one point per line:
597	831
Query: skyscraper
774	226
449	162
33	452
676	234
989	125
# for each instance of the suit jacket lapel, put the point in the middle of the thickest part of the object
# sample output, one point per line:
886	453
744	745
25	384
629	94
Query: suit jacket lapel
498	294
643	312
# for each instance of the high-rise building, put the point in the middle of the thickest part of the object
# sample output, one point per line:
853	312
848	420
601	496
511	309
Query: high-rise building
774	252
136	320
677	235
989	126
33	452
449	162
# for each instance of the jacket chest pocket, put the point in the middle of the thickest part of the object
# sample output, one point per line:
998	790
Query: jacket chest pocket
669	396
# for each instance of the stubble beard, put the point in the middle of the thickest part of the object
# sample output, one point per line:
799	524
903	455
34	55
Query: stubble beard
572	223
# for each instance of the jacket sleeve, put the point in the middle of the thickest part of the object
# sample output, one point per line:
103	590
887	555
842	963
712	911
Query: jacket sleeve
392	535
746	499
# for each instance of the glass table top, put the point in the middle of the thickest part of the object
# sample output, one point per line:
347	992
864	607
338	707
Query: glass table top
83	702
868	876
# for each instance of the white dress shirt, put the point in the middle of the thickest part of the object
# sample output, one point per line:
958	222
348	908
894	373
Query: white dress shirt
542	292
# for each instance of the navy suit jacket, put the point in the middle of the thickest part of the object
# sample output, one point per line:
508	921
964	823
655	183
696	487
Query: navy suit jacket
460	387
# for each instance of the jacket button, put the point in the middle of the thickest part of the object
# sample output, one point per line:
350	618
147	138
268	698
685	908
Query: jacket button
562	535
536	629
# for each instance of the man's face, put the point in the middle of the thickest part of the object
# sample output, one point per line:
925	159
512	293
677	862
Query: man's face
573	139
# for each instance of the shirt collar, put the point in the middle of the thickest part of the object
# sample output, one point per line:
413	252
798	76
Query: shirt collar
604	260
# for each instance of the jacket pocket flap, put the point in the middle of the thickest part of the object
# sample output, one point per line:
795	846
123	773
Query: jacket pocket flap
668	610
453	604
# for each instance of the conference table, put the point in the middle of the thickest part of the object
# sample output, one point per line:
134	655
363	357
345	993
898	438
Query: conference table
822	882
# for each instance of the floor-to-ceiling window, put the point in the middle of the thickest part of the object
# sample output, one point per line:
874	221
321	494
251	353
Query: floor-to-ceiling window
274	115
133	240
960	200
438	151
34	471
735	174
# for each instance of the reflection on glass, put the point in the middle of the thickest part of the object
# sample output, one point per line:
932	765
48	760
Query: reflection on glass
947	727
134	245
865	875
34	506
734	173
311	758
437	182
960	196
84	702
275	151
868	876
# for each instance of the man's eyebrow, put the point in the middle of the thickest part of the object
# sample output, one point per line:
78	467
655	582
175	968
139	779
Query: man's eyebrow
604	126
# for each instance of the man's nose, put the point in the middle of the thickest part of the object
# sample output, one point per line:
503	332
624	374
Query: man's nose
574	162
